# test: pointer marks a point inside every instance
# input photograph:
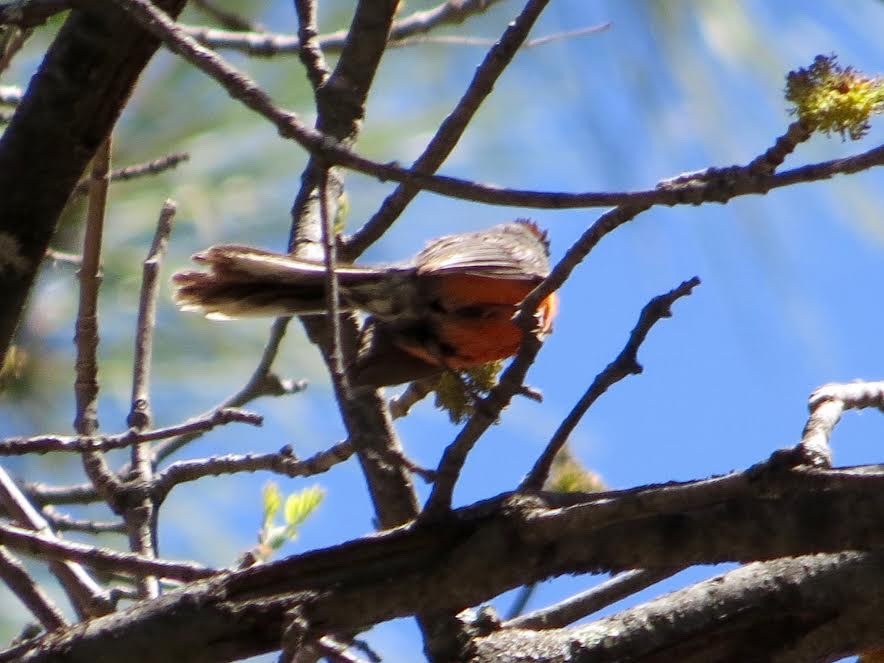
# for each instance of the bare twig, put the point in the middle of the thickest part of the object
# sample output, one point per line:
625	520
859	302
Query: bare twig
29	592
62	522
601	596
625	364
86	337
140	517
43	494
62	257
154	167
268	44
773	157
332	301
340	109
310	52
87	597
414	393
826	406
100	558
44	444
283	462
459	40
140	414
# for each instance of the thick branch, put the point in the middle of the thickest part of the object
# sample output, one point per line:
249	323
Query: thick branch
493	546
70	106
773	611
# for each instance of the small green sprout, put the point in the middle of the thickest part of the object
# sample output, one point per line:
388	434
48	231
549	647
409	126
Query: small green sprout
296	509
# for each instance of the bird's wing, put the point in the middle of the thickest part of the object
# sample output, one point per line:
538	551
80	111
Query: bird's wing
516	250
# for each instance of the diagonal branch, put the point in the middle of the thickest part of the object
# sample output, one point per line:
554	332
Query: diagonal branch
100	558
452	128
625	364
592	600
87	597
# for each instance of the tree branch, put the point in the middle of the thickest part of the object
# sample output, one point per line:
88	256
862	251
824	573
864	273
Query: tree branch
29	592
17	446
100	558
483	550
87	597
769	611
625	364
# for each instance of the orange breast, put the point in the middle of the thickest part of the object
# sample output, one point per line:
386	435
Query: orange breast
474	323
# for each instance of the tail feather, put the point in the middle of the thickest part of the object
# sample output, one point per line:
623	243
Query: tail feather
246	282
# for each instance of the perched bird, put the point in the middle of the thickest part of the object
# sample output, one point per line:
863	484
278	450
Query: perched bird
450	307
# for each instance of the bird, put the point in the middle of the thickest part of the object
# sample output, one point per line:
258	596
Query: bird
449	308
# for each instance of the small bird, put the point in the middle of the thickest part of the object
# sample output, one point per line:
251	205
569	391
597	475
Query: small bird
451	307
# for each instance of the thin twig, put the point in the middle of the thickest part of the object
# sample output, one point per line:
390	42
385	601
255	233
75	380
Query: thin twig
44	444
141	517
580	605
43	494
140	414
63	257
310	52
283	462
459	40
626	363
267	44
87	597
332	296
20	583
154	167
414	393
718	185
86	336
452	128
42	546
62	522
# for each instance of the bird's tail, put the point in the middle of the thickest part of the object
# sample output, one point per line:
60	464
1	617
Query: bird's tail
245	282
